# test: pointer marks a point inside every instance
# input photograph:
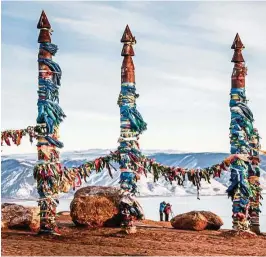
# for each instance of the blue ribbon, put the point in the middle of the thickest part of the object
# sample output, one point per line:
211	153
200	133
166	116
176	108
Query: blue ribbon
49	112
51	48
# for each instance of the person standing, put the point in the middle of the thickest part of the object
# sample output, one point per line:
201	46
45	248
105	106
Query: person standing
161	209
167	211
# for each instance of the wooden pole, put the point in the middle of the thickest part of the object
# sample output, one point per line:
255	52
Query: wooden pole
244	139
48	170
131	126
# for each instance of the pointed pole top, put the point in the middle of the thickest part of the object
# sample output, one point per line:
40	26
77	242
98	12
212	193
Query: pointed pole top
127	36
127	50
128	69
43	22
237	44
45	29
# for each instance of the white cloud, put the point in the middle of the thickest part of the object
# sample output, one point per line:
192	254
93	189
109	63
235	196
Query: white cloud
224	20
182	65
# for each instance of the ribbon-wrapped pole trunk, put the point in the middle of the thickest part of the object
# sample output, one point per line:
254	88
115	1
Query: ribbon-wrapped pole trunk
131	125
48	169
244	139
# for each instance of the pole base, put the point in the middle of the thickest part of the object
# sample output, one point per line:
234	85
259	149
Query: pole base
239	233
48	231
255	229
130	230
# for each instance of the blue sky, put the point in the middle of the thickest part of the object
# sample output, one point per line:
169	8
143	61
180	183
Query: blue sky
182	63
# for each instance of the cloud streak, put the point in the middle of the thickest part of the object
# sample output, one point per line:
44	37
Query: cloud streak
182	65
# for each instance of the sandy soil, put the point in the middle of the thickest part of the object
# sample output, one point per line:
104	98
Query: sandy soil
153	238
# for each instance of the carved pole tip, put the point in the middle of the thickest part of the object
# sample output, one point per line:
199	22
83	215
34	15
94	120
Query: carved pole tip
237	44
127	36
43	21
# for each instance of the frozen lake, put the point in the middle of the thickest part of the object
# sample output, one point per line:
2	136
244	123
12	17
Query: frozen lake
220	205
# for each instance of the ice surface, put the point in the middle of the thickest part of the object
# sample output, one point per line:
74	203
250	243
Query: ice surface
220	205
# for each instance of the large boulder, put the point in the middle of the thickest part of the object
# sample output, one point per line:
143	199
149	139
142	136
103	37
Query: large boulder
197	220
96	206
16	216
189	221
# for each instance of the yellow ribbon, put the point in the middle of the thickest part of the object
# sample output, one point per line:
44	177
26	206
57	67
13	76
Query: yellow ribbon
235	97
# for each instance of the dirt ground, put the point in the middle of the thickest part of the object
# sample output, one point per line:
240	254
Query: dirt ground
152	238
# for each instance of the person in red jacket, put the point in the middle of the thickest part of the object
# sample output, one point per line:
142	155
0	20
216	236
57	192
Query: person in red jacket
167	211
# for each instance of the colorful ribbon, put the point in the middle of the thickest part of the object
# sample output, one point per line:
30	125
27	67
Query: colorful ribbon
244	139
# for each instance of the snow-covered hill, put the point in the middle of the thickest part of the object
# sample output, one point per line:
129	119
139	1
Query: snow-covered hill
18	182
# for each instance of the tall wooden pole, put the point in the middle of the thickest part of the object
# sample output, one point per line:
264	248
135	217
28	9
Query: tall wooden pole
48	170
244	139
131	121
131	126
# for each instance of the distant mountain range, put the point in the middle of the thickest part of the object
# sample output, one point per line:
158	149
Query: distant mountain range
17	179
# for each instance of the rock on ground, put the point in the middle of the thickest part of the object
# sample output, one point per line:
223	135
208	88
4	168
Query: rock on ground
197	220
96	206
16	216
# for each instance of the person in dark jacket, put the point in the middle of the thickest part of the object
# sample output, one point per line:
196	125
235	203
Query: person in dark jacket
167	211
161	209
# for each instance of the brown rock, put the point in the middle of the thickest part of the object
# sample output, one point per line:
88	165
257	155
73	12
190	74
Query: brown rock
16	216
96	206
190	221
197	220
